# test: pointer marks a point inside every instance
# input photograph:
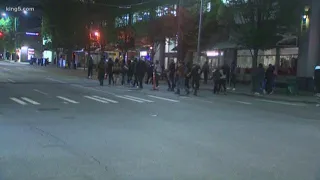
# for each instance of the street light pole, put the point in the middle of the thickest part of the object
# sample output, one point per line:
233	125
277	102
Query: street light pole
15	37
199	32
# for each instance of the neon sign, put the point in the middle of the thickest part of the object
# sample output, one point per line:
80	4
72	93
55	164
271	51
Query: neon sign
32	34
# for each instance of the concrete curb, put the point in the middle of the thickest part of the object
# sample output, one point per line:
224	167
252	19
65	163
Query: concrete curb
270	97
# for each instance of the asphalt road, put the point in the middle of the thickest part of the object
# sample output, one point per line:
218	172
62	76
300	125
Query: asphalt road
59	127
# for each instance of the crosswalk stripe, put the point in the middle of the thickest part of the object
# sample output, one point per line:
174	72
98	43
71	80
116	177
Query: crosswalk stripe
95	99
105	99
162	98
18	101
10	80
135	100
140	99
67	99
30	101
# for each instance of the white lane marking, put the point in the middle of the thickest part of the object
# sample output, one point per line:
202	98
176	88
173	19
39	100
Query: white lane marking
281	102
95	99
105	99
140	99
18	101
90	88
10	80
135	100
162	98
243	102
68	100
30	101
41	92
55	80
6	69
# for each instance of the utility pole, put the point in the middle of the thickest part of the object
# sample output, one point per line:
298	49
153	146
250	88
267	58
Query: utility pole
199	33
89	35
15	37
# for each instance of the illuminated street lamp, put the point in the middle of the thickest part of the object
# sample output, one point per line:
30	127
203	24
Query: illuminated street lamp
3	14
97	34
25	12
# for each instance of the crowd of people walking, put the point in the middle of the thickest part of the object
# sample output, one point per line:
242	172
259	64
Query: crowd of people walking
180	77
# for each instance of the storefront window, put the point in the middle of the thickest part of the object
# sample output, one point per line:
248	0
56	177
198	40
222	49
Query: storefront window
122	21
166	10
170	44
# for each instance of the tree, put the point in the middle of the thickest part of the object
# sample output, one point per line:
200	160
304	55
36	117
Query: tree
7	27
65	24
258	24
214	27
154	31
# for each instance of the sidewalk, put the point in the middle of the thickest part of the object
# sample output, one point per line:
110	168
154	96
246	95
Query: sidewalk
280	95
244	90
12	61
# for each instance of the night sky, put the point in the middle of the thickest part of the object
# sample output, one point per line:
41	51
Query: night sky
29	21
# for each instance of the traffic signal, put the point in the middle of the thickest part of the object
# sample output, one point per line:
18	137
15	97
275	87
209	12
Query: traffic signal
1	34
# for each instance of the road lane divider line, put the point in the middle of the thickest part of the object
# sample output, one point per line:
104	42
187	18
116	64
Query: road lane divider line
18	101
55	80
281	102
10	80
41	92
140	99
244	102
6	69
68	100
106	99
30	101
162	98
95	99
135	100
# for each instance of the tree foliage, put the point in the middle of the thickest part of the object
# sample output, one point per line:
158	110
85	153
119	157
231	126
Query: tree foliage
65	23
7	27
258	24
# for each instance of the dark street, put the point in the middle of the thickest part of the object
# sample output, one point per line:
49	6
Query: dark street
65	127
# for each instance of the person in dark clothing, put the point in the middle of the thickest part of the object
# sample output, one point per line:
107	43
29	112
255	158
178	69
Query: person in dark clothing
150	70
269	79
226	71
110	71
216	81
141	69
129	72
90	67
135	73
205	70
158	71
195	75
172	72
181	74
223	81
188	74
124	71
101	71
